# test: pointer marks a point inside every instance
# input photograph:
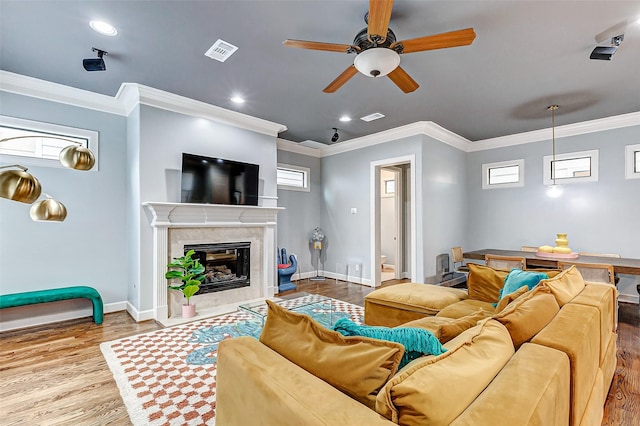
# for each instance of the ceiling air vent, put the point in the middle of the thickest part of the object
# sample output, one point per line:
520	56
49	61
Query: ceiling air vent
371	117
221	50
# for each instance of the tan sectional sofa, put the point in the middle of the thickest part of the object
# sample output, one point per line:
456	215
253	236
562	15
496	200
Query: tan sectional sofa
509	369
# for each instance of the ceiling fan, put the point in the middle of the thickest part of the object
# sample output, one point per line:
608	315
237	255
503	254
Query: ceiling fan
378	52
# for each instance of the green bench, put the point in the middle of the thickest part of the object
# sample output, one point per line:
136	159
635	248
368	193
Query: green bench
53	295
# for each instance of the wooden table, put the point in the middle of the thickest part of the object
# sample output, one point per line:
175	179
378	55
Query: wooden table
620	265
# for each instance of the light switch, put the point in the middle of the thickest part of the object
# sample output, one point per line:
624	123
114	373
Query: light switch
354	210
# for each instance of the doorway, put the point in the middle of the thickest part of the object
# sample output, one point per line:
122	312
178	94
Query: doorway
393	213
391	222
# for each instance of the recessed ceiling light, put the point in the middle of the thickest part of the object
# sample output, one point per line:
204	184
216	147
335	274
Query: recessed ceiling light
103	28
345	118
237	100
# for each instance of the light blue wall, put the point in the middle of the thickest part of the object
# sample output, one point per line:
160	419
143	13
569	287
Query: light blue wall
598	216
302	210
440	191
444	196
163	137
89	247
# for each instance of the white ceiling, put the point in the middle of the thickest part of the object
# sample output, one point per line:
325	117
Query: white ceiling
526	56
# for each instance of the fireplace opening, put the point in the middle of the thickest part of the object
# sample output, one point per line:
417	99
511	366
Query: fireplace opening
226	265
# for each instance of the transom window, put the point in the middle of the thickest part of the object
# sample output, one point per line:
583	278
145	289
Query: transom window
571	167
43	149
294	178
632	161
505	174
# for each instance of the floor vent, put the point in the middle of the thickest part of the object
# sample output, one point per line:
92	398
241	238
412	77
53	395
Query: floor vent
221	50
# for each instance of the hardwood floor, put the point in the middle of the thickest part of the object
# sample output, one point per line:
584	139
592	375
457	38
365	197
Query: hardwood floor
56	375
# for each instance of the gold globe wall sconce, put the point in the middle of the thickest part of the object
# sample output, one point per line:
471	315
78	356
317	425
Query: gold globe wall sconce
17	184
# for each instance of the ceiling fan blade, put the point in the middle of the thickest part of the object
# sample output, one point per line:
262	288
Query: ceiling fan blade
341	80
437	41
378	21
316	45
403	80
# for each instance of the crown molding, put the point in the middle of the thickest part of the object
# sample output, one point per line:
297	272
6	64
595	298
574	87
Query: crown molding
132	94
426	128
567	130
128	97
295	147
46	90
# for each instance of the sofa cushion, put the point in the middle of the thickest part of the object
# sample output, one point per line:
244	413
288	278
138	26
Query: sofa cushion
417	342
575	330
434	390
446	329
357	366
565	286
466	307
517	278
528	314
504	301
532	389
484	283
401	303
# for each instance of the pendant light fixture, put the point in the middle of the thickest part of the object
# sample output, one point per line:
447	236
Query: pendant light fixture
48	210
20	185
554	190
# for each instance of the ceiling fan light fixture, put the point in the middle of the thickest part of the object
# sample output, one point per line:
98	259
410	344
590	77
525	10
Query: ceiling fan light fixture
377	61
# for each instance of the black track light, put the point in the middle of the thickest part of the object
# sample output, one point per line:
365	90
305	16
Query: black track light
95	64
335	136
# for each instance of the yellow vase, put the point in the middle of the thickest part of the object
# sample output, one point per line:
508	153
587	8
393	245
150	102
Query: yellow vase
562	244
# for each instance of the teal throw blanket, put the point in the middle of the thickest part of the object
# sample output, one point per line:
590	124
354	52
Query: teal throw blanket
417	341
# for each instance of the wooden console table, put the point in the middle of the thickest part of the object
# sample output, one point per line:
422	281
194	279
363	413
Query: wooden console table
620	265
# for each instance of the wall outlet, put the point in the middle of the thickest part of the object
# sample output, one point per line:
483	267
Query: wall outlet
357	268
354	210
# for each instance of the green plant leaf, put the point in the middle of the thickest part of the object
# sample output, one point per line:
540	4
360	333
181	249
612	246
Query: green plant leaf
173	274
189	291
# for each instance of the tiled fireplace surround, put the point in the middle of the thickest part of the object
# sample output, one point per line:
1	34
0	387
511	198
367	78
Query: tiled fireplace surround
177	224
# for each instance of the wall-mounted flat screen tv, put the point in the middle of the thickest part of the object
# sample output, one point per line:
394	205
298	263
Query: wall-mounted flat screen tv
208	180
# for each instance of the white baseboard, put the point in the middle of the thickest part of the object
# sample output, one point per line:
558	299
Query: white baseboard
139	315
629	298
334	276
40	313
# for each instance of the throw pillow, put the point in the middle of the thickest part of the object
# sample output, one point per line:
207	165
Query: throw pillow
517	278
504	302
357	366
528	314
565	286
417	342
484	283
434	390
448	331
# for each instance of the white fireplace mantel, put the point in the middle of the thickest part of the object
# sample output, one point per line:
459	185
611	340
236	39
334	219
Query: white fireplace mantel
185	214
182	215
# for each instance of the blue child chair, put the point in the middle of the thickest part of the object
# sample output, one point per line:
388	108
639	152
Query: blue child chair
286	270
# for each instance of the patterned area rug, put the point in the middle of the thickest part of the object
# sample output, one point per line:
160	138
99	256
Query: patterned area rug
168	376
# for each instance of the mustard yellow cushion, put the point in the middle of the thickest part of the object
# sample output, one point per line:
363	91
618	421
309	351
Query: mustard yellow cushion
446	329
434	390
454	328
528	314
357	366
484	283
511	297
565	286
466	307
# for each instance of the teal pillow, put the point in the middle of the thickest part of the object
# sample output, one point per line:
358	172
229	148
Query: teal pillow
518	278
417	341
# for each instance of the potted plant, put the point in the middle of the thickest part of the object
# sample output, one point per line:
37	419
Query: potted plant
191	273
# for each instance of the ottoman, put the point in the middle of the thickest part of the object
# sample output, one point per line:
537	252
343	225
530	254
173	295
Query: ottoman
395	305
